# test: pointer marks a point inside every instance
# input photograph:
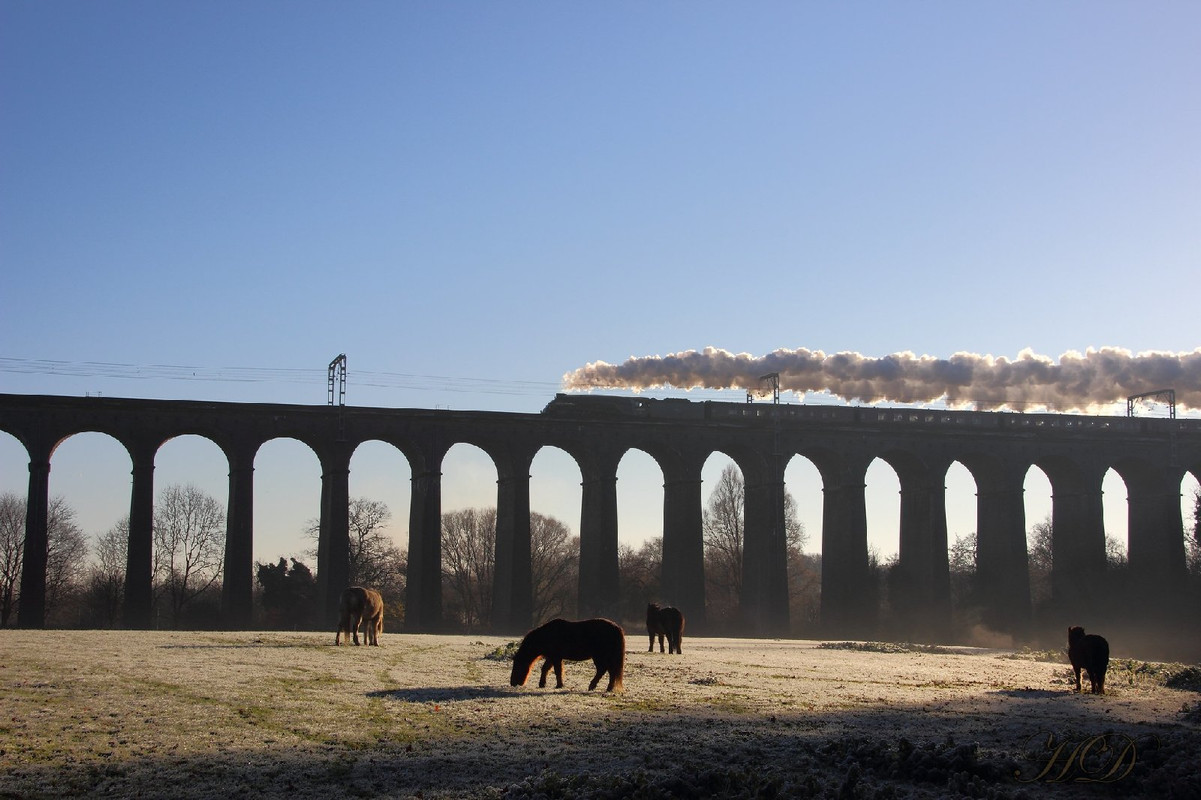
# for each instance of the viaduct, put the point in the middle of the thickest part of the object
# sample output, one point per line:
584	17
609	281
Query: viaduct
1075	452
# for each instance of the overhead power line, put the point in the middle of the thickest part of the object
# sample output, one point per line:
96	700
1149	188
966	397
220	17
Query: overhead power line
309	376
365	378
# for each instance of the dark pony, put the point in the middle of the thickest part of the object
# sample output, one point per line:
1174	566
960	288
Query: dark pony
599	639
360	607
667	622
1090	652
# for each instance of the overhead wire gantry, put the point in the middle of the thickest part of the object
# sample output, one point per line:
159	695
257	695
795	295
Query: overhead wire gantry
1163	395
337	379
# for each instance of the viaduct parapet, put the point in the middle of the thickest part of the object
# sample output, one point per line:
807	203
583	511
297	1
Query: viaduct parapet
1151	455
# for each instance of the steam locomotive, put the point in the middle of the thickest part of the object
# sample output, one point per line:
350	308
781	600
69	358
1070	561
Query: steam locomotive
599	406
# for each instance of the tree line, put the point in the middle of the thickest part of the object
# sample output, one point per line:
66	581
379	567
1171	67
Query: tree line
85	582
1111	600
85	579
469	558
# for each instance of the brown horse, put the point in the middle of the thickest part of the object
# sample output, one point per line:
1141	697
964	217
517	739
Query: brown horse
599	639
361	607
667	622
1090	652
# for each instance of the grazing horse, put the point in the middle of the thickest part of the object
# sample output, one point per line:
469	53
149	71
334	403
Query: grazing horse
667	622
361	606
1090	652
599	639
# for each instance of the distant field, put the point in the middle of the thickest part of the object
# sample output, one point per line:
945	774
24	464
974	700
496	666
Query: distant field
222	715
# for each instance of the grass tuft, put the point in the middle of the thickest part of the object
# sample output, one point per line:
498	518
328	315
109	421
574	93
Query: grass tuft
504	652
886	647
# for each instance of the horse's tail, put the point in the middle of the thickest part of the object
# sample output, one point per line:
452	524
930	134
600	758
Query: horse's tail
617	671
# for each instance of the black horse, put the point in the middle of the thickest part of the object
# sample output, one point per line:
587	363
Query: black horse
1090	652
663	622
598	639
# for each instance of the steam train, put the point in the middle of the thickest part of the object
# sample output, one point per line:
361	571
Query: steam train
599	406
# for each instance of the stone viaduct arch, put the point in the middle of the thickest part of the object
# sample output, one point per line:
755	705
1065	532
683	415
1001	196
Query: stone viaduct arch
1152	456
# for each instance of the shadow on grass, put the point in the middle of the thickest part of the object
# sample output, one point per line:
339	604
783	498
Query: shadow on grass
240	646
273	644
1032	693
862	752
444	694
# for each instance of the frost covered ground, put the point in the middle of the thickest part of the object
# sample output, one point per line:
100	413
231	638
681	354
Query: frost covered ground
223	715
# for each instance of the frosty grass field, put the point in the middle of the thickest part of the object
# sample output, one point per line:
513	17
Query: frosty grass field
191	714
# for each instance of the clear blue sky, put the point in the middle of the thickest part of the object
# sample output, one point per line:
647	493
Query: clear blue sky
472	199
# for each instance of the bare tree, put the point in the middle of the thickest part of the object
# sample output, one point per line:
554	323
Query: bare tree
66	555
961	557
391	582
104	584
373	554
189	541
639	576
554	564
112	547
375	560
1192	544
468	564
722	529
724	534
12	548
1040	557
794	530
804	591
1116	556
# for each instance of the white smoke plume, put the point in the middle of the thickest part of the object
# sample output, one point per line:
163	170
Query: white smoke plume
1077	382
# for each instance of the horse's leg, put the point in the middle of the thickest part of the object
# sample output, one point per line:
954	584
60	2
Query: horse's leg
652	647
546	665
356	621
660	643
600	670
558	673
